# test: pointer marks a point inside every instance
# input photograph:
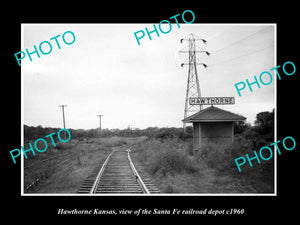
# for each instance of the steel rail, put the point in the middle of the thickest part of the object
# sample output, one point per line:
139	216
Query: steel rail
139	179
101	173
97	180
45	160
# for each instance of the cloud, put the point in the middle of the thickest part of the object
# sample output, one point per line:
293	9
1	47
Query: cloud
105	71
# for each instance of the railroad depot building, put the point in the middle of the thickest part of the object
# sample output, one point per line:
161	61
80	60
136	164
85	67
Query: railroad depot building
212	125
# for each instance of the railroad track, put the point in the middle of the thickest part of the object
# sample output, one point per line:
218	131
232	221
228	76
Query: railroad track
117	175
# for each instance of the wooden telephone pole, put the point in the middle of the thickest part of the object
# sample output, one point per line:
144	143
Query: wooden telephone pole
100	130
63	111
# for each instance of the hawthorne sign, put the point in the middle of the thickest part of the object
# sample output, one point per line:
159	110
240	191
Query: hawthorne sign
212	101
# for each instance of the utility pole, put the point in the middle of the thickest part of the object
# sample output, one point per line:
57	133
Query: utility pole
99	133
63	111
193	86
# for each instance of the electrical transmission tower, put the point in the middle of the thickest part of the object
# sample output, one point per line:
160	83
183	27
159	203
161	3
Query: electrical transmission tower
193	86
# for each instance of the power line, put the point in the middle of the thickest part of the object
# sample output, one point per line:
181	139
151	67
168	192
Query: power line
218	33
240	40
250	53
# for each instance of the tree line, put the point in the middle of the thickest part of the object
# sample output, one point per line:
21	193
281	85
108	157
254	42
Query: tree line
262	132
35	132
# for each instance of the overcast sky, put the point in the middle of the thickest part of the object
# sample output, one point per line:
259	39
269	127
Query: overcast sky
106	72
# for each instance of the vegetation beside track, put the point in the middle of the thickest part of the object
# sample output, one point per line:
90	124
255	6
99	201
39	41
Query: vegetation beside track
63	169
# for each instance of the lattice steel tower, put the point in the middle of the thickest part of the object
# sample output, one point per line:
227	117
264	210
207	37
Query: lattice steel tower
193	86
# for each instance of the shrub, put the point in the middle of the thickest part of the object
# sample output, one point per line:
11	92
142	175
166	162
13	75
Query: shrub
215	154
113	141
222	158
64	146
165	157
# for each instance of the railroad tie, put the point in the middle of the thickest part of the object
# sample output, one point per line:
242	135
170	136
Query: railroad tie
117	175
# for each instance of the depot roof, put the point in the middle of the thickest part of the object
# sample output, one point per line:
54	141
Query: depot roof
213	114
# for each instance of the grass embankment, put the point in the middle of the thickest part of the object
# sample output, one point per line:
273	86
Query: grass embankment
211	171
69	165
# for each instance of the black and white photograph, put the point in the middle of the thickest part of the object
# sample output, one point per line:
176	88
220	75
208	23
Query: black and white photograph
141	111
131	106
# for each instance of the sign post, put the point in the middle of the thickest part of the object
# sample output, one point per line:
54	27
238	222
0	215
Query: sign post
212	101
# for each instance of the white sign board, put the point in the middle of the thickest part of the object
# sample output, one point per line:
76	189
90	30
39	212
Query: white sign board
212	101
